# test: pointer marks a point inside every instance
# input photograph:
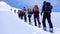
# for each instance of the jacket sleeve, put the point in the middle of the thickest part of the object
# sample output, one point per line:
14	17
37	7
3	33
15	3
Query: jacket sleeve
42	10
51	9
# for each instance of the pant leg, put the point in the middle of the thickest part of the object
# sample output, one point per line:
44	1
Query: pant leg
39	24
21	16
49	21
38	20
29	20
25	18
35	20
43	21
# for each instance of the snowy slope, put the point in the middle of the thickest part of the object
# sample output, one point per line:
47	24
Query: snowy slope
11	24
4	6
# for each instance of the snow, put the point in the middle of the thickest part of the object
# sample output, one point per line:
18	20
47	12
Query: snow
11	24
4	6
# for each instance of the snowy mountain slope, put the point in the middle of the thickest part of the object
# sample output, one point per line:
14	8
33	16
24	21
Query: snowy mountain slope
11	24
4	6
55	17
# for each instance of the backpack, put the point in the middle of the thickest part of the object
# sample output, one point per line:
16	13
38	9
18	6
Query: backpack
48	8
36	8
18	11
29	9
23	11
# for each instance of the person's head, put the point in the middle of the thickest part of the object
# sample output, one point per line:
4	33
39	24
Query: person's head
24	7
48	3
44	2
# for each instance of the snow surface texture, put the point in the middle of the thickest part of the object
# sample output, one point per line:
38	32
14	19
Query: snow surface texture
11	24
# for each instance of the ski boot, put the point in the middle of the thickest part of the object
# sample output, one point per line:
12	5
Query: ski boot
44	29
51	30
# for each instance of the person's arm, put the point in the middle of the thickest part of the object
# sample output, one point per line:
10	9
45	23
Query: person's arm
33	11
42	10
51	9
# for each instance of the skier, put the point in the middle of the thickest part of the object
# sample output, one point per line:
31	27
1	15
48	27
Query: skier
46	10
25	17
29	15
36	15
11	9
